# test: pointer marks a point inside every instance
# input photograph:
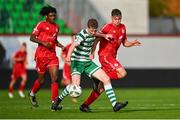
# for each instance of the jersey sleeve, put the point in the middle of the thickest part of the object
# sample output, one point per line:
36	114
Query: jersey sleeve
79	38
37	29
105	29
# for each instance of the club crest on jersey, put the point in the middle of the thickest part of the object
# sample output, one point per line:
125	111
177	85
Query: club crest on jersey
115	64
47	28
114	31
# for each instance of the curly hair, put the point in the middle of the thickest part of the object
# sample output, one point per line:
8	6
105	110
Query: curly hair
46	10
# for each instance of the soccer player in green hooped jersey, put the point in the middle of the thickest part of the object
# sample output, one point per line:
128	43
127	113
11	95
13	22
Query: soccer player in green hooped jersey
79	55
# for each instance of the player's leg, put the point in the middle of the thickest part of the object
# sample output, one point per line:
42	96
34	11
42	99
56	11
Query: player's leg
11	85
77	68
121	72
96	92
22	85
94	71
35	89
75	80
112	67
102	76
53	71
66	77
41	66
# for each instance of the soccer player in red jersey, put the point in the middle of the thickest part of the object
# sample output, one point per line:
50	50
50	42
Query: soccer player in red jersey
19	70
45	35
107	55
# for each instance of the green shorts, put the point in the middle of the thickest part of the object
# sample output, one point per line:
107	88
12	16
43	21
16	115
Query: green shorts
78	67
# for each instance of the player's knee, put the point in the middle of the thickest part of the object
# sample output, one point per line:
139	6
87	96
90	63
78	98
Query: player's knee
106	80
41	80
122	74
54	78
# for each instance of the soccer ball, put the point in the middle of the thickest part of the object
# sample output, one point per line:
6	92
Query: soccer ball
74	91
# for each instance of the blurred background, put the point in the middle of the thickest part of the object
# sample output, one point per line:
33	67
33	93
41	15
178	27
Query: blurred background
155	23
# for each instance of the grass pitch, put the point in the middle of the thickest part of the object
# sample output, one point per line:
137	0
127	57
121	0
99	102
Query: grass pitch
151	103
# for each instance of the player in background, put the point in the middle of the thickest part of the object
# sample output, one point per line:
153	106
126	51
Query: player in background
81	61
19	60
107	55
45	35
66	74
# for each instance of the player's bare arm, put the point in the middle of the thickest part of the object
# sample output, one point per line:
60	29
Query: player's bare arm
94	48
17	59
60	45
71	49
106	36
127	43
33	38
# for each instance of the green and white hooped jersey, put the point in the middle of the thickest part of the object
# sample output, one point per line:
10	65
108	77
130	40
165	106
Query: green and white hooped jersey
82	51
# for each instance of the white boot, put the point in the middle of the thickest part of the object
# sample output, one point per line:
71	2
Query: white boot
21	94
10	95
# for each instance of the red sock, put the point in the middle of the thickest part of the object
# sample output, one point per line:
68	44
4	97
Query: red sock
94	95
36	86
54	90
10	89
21	88
113	75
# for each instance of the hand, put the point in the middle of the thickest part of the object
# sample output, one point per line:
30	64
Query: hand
136	43
47	44
63	48
108	37
68	60
91	56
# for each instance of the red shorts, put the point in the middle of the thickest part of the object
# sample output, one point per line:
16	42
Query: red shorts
18	72
67	72
109	64
43	63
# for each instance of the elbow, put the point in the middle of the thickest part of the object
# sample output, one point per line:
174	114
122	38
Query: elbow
32	37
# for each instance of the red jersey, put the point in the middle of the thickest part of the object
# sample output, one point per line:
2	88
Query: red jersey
47	32
109	48
20	64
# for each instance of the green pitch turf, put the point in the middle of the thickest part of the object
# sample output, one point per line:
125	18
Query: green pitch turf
143	103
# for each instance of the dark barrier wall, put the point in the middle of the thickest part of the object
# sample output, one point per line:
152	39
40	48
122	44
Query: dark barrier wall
135	78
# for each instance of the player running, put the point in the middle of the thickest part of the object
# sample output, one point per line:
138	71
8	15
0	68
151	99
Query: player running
45	35
19	70
107	55
81	61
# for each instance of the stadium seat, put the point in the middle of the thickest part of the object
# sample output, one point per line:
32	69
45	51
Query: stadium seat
22	23
61	23
18	7
25	15
25	18
37	7
9	7
2	30
19	30
67	31
28	30
22	1
10	1
15	15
